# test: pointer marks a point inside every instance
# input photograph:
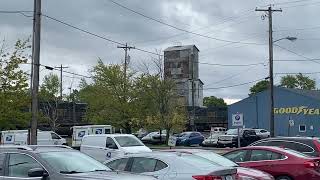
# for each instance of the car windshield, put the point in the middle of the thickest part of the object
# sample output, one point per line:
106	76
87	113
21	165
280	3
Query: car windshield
216	158
72	162
232	132
296	153
128	141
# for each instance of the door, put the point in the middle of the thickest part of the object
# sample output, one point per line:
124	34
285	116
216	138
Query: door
79	133
265	160
111	149
18	167
149	166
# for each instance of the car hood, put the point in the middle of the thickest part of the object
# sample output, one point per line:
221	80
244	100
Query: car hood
108	175
254	173
136	149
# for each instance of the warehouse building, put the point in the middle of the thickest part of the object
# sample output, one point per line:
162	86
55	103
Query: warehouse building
296	112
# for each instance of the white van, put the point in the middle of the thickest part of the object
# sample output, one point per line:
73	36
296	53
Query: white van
78	132
106	146
20	137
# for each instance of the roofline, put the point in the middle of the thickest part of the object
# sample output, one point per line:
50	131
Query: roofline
193	45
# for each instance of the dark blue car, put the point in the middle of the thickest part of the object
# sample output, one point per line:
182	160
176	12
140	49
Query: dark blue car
189	138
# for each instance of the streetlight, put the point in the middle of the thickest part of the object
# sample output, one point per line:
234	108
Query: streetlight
290	38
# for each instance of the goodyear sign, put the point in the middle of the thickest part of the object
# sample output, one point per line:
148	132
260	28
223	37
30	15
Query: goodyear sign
301	110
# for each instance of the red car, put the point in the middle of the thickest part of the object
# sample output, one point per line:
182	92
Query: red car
282	163
242	173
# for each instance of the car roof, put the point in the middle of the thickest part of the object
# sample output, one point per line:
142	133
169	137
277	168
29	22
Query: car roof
35	148
288	138
262	148
109	135
190	150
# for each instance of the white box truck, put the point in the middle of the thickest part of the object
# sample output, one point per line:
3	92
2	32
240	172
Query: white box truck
78	132
20	137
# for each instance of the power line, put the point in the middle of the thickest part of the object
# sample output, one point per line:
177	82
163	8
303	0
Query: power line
297	54
236	85
288	73
300	5
298	29
180	29
17	12
232	65
96	35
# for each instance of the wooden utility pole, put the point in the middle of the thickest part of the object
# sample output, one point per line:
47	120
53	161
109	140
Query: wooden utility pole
35	74
61	70
269	13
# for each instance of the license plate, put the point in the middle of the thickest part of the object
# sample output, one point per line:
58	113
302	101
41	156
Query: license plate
229	178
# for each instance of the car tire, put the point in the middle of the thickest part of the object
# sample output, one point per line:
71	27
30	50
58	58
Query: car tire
283	178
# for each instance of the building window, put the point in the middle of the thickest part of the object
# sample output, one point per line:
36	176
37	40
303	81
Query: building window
302	128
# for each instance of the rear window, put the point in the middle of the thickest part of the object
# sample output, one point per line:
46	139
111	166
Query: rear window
197	161
296	153
217	159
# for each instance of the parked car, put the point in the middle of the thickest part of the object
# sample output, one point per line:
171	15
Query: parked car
141	133
189	138
218	130
306	145
54	163
20	137
230	139
106	146
154	137
78	132
262	133
282	163
172	165
242	172
212	140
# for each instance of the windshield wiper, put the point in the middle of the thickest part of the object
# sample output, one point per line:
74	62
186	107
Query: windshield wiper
70	172
97	170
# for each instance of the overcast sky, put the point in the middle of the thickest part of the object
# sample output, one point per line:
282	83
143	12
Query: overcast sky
231	20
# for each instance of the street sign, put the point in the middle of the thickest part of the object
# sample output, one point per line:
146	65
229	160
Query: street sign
172	141
237	120
291	122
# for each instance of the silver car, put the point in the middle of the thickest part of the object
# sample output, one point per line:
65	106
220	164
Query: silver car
55	163
172	165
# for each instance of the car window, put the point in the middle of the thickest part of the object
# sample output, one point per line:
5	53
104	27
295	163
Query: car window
237	156
262	155
141	165
111	144
119	164
263	131
160	165
128	141
55	136
296	153
2	159
20	164
303	148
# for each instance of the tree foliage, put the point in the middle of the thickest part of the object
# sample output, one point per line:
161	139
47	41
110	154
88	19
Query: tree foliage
298	81
259	87
49	98
14	97
214	101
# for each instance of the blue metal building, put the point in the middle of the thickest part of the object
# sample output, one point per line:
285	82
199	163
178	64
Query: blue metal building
296	111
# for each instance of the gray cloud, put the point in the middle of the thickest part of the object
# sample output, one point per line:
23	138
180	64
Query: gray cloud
62	45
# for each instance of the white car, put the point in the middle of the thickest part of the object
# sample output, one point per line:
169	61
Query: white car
172	165
154	137
106	146
262	133
212	140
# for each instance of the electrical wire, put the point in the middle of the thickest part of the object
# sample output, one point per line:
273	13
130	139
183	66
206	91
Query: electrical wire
297	54
17	12
232	65
236	85
180	29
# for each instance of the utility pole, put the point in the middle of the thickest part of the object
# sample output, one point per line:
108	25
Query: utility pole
126	48
35	74
61	70
269	13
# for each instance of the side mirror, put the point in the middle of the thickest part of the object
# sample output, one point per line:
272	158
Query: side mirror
37	172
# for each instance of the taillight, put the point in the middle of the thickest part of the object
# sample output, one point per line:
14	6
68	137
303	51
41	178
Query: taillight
317	144
207	177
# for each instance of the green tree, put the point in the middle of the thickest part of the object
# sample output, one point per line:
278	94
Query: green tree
111	96
214	101
298	81
158	96
259	87
14	97
49	98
